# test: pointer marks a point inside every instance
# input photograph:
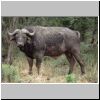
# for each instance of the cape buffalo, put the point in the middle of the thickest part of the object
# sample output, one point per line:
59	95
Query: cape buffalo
37	42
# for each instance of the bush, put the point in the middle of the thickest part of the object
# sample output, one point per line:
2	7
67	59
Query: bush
71	78
9	73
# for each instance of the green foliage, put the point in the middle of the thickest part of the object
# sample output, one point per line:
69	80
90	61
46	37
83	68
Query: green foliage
9	73
70	78
77	23
57	62
89	53
86	25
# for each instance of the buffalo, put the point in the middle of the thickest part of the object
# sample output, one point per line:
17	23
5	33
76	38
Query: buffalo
37	42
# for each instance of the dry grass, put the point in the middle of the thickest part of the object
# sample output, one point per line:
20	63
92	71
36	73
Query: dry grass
47	75
52	74
55	74
56	70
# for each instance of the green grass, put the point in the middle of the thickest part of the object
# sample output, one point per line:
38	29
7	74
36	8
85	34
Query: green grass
55	69
10	73
70	78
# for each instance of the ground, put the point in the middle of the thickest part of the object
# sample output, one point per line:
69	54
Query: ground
50	75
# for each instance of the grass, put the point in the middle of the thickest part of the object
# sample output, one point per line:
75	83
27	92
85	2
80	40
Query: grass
10	73
71	78
54	70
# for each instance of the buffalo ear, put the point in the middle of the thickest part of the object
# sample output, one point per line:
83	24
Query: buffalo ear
12	38
29	36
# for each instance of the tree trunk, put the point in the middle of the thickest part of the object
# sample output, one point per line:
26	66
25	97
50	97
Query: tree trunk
11	43
94	39
10	53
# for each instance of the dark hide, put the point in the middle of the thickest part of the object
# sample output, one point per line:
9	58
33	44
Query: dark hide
52	41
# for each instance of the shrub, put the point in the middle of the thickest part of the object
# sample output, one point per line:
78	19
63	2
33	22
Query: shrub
70	78
9	73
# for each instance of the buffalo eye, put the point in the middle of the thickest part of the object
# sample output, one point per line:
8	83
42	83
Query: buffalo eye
28	40
16	35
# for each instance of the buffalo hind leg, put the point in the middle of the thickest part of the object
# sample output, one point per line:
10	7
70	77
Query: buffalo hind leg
79	60
30	61
72	62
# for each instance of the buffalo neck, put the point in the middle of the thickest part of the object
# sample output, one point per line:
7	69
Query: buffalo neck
28	49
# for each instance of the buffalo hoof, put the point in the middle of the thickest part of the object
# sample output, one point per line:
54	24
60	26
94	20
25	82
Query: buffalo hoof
30	73
70	72
83	73
48	78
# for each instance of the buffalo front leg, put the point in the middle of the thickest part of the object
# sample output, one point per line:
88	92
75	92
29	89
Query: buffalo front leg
72	62
30	61
38	64
38	56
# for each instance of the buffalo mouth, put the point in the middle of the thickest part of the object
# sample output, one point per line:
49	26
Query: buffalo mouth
21	47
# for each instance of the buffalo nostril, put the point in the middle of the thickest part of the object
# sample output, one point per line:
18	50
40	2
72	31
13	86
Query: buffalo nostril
20	44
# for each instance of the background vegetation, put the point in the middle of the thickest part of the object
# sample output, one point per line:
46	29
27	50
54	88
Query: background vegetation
51	70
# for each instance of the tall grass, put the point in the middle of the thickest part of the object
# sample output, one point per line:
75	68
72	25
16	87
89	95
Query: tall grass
90	56
10	73
54	70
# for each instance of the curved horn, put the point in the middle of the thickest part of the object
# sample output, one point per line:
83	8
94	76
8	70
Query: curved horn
10	33
14	32
26	31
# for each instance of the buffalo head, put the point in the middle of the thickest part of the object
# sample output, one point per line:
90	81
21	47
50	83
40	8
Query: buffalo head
21	36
